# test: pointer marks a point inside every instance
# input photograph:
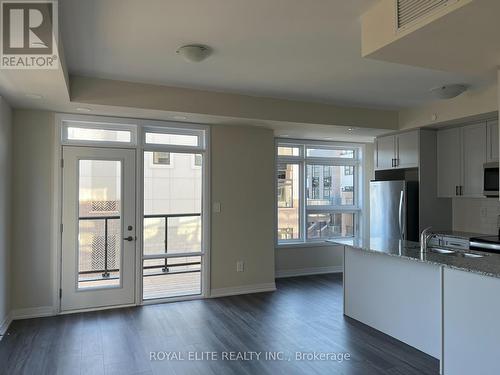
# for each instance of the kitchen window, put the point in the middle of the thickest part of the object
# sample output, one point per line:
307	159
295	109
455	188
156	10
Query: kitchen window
317	191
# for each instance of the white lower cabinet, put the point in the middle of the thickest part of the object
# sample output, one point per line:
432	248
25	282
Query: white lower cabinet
471	325
396	296
449	314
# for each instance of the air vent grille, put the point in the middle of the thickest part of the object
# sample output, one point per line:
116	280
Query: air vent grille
409	11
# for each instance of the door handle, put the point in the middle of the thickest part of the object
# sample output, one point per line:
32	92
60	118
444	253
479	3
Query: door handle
130	238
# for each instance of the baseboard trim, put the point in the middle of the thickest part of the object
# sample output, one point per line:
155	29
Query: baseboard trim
308	271
33	312
246	289
4	325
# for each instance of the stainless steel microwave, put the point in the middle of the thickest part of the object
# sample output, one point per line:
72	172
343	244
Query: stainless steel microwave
490	180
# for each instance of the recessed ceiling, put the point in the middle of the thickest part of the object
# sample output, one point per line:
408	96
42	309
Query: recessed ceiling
294	49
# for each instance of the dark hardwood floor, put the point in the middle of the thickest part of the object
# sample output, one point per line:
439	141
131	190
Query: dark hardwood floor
303	315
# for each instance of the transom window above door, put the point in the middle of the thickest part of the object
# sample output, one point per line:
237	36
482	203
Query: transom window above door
78	130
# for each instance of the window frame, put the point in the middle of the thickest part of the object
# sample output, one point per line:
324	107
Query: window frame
303	161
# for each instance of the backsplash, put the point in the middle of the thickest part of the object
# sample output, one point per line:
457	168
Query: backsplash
477	215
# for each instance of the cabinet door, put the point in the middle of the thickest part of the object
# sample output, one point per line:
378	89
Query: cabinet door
474	156
492	141
449	162
385	152
407	150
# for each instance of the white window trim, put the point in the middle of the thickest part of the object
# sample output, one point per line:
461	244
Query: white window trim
303	161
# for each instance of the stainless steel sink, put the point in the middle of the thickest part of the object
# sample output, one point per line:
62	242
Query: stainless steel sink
442	251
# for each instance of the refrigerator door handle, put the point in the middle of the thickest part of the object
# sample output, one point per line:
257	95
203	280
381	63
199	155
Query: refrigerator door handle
401	212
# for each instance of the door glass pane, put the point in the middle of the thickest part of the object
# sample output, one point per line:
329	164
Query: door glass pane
329	185
288	202
99	237
172	223
171	277
324	225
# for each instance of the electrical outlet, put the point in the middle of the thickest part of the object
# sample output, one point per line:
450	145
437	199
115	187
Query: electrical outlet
240	266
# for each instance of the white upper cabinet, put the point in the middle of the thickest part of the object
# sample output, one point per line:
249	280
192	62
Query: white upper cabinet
474	156
449	162
492	147
407	150
397	151
385	152
461	154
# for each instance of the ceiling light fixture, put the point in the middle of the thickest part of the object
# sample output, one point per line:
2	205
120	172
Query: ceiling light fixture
34	96
194	52
83	109
350	129
178	117
448	91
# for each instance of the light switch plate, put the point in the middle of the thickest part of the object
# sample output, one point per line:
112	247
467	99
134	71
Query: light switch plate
216	207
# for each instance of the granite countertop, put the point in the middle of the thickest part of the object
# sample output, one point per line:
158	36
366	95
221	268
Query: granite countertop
489	265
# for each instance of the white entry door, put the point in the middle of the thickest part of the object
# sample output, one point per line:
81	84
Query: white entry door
99	228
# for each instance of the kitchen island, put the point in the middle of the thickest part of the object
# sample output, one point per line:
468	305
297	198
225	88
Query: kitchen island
446	305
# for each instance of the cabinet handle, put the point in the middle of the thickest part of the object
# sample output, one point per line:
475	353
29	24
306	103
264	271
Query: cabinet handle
456	190
461	190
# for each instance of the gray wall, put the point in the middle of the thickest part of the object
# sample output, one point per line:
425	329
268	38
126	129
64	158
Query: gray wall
32	276
243	182
5	199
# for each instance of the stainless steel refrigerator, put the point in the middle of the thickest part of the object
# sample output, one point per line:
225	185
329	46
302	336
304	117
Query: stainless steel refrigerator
394	210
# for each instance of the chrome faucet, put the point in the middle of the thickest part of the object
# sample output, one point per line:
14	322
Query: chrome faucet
425	236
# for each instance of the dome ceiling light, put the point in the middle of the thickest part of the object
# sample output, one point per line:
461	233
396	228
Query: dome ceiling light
448	91
194	52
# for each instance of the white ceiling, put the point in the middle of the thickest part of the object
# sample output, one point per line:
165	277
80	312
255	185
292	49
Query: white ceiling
295	49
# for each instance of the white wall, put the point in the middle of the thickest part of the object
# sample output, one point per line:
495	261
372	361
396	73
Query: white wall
477	215
5	218
310	259
32	271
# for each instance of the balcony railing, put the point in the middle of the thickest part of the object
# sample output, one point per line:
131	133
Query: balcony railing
102	255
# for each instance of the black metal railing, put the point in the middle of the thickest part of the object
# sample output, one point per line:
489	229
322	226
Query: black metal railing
165	267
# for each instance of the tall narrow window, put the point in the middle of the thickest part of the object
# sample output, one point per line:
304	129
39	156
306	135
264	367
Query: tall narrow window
288	202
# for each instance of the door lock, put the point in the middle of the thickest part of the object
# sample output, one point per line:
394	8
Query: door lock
130	238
